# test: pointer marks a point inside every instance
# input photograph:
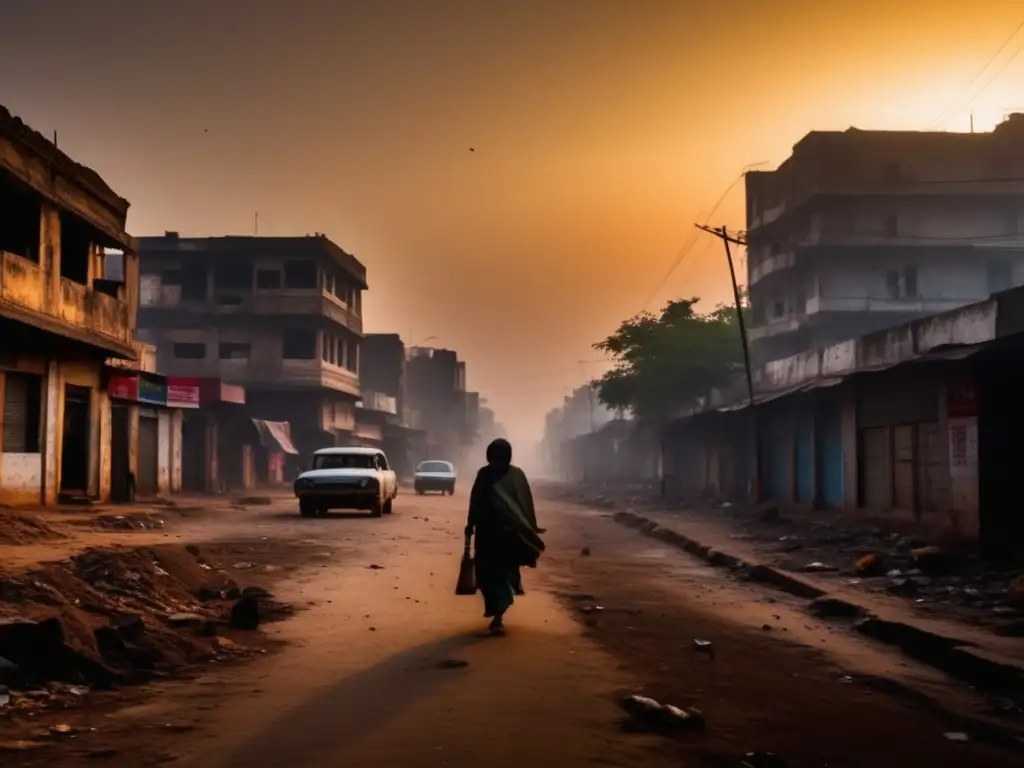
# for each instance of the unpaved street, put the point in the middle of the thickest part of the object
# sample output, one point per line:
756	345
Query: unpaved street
361	679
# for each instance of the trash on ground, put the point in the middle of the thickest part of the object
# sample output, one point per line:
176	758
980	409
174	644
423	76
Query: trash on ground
818	567
705	647
653	714
956	736
453	664
585	551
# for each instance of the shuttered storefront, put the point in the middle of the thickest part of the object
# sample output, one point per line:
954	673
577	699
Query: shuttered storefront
901	450
830	455
149	443
804	455
22	402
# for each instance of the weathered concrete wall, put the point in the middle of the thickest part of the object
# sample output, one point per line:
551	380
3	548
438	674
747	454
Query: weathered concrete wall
21	478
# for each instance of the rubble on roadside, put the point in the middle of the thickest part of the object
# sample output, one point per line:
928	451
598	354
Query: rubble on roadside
109	617
932	578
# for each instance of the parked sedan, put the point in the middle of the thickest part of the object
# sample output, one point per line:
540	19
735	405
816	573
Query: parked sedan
434	476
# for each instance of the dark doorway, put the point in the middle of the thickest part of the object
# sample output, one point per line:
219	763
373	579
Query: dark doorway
149	440
194	462
122	485
74	456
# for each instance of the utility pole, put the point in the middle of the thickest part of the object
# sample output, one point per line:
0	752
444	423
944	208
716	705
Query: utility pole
726	238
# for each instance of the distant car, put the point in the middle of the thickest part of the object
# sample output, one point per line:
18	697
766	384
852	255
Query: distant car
434	476
347	478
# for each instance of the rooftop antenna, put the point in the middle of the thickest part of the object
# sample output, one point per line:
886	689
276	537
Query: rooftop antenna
972	121
256	223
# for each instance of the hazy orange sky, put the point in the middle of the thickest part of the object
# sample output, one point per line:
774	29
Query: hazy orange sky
603	129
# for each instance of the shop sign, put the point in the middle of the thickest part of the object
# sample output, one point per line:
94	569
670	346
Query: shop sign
152	390
123	387
182	392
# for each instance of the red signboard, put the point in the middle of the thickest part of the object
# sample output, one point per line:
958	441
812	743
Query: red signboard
182	392
124	387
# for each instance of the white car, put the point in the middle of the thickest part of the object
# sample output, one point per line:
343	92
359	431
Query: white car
347	478
434	476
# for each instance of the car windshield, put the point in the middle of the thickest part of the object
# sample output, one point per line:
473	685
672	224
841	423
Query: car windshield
345	461
435	466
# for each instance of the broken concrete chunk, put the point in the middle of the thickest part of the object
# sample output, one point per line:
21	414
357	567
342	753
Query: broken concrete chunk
655	715
245	614
185	619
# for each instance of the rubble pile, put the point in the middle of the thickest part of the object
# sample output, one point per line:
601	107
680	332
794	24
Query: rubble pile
117	616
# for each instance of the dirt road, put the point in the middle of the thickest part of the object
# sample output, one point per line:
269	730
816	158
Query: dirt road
362	679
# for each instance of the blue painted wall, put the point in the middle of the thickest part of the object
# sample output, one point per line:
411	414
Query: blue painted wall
830	456
804	454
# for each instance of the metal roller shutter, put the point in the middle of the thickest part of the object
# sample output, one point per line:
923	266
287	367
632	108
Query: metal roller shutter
149	441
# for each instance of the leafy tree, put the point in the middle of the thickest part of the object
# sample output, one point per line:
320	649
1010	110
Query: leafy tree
665	361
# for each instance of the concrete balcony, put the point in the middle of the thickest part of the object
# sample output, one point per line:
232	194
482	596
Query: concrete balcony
160	303
270	374
65	308
770	265
774	328
924	188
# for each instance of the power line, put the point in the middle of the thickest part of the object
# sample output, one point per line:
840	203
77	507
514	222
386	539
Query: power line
685	250
998	73
956	100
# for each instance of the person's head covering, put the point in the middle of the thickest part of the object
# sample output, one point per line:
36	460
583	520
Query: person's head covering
499	453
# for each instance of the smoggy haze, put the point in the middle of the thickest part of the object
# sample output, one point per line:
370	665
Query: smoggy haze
602	130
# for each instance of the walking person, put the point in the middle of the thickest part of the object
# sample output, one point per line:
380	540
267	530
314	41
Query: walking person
504	522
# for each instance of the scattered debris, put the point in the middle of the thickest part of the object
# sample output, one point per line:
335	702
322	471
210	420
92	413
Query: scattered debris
645	711
592	608
704	647
185	620
242	566
245	614
956	736
453	664
869	565
375	567
818	567
585	552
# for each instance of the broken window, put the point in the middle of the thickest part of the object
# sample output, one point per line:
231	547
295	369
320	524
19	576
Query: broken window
190	351
268	279
22	420
231	350
75	248
113	273
299	345
194	282
21	216
231	277
301	274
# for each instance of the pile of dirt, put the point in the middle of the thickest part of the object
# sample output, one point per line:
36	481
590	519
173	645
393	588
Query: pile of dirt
19	529
116	616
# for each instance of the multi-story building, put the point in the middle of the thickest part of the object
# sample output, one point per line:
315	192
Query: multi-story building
383	379
61	316
280	316
436	392
862	230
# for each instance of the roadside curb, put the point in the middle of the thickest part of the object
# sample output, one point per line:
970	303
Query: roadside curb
953	656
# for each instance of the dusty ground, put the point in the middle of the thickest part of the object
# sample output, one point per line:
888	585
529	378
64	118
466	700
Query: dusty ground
360	679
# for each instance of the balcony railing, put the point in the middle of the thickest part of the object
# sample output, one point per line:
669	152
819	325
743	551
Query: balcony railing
80	308
298	374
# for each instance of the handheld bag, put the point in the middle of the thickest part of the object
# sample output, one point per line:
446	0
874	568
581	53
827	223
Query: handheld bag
466	584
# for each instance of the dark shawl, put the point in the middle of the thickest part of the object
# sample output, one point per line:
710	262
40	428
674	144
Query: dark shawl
501	510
